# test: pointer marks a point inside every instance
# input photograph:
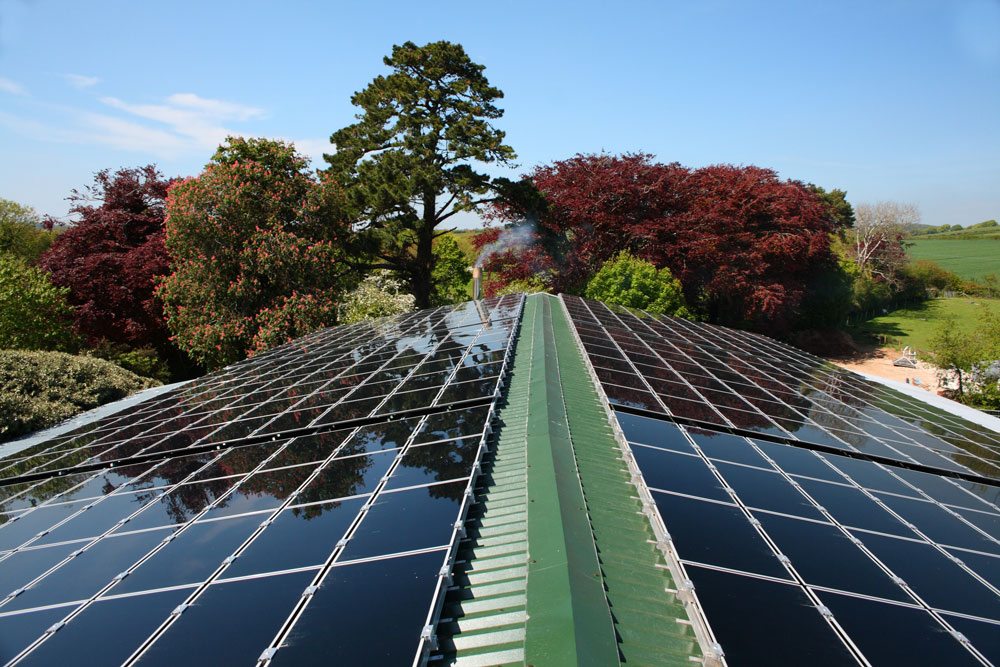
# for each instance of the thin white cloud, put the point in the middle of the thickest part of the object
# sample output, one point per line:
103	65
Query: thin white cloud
80	81
12	87
187	115
215	108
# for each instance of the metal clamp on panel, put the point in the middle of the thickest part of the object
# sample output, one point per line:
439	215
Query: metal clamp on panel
713	657
685	592
427	635
310	590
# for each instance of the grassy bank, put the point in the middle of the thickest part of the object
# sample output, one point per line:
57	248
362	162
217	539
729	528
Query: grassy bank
915	326
971	259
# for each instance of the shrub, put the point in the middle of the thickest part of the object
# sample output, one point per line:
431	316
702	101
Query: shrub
632	282
144	361
378	295
41	389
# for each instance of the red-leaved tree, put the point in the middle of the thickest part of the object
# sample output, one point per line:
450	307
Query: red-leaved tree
111	257
744	244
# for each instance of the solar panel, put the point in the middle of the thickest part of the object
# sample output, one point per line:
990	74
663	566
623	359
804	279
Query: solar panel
780	483
338	463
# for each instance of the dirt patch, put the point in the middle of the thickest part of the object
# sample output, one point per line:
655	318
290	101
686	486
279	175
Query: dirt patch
878	361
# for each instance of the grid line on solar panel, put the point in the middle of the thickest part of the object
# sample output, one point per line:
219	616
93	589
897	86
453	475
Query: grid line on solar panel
264	525
487	387
437	446
116	422
919	446
807	582
334	555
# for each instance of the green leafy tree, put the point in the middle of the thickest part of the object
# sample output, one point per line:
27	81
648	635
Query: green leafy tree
20	234
407	164
635	283
451	274
954	351
256	243
34	314
837	206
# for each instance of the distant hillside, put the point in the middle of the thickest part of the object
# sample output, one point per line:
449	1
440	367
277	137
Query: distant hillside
988	229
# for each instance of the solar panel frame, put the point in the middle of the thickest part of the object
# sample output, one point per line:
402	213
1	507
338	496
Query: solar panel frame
495	325
673	448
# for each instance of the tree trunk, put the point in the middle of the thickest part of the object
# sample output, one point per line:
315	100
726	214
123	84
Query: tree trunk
424	264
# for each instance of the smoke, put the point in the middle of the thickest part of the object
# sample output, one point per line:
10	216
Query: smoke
516	236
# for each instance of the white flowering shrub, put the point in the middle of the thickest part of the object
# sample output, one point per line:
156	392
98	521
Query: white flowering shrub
378	295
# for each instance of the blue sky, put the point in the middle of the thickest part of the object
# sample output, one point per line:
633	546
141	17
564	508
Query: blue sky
887	100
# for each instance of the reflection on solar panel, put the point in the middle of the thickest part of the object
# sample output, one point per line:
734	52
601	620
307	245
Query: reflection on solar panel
311	504
334	468
779	483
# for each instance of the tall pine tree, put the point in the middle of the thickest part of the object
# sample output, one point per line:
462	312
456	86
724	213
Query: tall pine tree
407	164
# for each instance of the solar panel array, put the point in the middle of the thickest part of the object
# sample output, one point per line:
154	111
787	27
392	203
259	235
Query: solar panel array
857	522
267	512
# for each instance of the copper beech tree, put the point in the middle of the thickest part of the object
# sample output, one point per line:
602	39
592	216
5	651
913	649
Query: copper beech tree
112	256
257	247
744	244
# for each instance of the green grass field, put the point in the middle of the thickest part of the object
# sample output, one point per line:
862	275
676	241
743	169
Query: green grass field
970	259
915	326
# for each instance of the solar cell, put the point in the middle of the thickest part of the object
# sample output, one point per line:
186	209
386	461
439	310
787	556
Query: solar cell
863	501
353	444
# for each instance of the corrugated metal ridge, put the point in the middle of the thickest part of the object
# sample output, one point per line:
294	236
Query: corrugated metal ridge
652	623
483	619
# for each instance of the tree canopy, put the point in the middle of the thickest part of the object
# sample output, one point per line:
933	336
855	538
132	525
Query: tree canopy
745	245
407	164
33	312
256	244
111	258
20	232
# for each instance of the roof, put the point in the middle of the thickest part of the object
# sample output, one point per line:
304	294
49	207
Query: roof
517	480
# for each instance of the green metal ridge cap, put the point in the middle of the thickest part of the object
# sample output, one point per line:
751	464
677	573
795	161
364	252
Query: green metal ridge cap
568	619
710	648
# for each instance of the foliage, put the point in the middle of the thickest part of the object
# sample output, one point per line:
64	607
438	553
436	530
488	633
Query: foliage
837	206
34	314
745	245
878	240
465	239
19	231
450	274
141	361
407	163
525	286
632	282
256	244
111	258
41	389
970	358
830	298
378	295
931	276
